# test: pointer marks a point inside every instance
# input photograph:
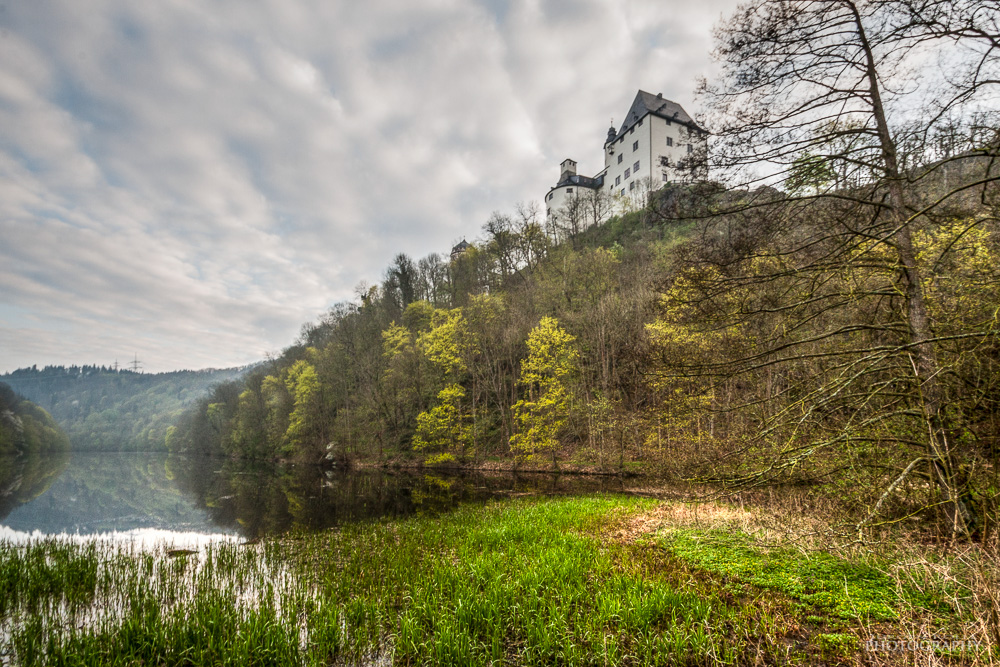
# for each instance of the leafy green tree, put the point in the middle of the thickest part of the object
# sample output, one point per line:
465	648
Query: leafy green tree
26	428
303	386
810	173
542	416
444	431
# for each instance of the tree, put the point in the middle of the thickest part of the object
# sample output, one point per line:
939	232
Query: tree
570	219
501	243
444	431
826	79
400	281
432	277
598	204
542	416
444	428
532	243
809	174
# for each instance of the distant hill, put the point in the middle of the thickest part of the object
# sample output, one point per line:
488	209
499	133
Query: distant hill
107	409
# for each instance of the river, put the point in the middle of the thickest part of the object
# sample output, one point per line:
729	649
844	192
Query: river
191	499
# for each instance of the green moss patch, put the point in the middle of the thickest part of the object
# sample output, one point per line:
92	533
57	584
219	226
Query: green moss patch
839	587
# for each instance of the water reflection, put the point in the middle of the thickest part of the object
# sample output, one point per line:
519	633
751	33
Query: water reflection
262	499
132	493
109	492
26	477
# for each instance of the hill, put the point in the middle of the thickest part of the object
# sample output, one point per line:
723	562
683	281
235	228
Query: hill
706	336
104	409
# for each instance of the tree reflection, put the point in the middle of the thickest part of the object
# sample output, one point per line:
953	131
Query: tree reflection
24	478
263	499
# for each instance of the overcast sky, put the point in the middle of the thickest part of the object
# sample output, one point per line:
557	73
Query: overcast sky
190	181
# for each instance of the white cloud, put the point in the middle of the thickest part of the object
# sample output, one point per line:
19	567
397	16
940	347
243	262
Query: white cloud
192	181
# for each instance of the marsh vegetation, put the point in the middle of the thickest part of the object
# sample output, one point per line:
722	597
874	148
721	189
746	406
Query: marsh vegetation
576	581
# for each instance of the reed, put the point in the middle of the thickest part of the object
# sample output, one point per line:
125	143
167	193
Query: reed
525	582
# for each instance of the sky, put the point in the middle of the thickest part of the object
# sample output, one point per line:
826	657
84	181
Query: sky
188	182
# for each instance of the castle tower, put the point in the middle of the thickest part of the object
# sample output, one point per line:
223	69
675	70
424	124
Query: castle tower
567	169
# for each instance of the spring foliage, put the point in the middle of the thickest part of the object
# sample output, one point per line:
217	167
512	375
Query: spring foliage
541	416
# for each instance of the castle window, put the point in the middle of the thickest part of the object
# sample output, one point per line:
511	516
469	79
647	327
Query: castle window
632	130
670	141
548	212
635	167
569	191
635	146
620	156
622	193
618	180
664	177
631	186
639	124
628	172
690	149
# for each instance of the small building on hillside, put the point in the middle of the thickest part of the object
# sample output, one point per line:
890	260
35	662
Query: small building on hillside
459	248
658	143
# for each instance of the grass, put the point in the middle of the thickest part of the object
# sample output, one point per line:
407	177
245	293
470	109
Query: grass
521	582
836	586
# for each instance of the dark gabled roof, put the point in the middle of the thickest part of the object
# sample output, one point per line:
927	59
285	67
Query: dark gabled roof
647	103
582	181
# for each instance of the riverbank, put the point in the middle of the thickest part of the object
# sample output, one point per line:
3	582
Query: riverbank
506	466
526	581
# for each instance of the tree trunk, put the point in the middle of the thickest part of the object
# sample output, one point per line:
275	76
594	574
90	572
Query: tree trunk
923	358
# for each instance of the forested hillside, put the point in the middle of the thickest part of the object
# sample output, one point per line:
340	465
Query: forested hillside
668	340
26	428
433	363
106	409
824	313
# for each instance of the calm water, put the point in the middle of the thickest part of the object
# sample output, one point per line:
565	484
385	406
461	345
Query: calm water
156	495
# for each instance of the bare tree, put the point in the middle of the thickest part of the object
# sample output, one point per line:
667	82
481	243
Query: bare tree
532	243
598	204
432	276
571	218
821	82
501	243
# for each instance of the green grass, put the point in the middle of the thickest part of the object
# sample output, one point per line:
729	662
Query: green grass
837	587
520	582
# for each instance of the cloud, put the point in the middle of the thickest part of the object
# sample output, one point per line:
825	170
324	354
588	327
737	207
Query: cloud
190	181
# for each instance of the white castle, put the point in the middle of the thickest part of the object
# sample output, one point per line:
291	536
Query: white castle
658	143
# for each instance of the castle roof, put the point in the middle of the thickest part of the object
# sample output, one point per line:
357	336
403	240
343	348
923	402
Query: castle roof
648	103
460	248
582	181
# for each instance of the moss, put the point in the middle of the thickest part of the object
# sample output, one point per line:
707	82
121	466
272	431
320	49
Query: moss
836	644
836	586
